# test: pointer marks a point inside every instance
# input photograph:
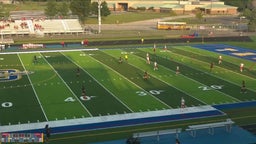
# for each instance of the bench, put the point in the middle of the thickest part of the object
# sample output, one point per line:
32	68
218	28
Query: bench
158	133
210	126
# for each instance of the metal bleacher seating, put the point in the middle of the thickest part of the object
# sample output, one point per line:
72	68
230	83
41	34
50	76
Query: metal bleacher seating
157	134
48	26
210	126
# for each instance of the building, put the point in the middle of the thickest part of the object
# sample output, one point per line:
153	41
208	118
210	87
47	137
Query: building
6	1
176	6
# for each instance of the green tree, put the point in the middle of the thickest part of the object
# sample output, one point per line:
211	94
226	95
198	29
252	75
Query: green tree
81	8
51	8
104	11
199	14
241	4
94	8
252	20
63	9
2	13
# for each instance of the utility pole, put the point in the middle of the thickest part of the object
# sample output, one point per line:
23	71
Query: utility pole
2	37
99	16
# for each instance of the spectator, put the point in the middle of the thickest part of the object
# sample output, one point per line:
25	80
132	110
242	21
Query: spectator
47	133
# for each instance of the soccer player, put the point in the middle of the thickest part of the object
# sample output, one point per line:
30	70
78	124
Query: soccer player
35	59
83	92
241	67
211	66
148	59
77	72
155	66
146	75
220	59
177	70
154	48
182	103
126	57
165	47
243	88
120	60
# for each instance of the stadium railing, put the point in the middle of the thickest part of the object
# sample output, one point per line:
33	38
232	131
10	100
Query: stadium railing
158	133
210	126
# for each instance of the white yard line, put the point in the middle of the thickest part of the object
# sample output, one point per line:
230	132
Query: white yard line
134	84
216	75
67	85
33	89
99	83
168	83
199	82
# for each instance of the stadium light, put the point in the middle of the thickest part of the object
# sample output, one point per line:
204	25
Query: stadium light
99	16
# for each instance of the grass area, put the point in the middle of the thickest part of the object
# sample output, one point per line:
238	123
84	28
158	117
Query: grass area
125	17
39	6
113	83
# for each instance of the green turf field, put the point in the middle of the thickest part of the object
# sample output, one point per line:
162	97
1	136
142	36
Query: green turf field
54	88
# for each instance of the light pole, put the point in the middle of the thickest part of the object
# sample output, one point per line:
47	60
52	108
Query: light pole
2	37
99	16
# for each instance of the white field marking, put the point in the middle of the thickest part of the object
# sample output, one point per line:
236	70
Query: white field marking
134	84
169	84
47	51
99	83
220	77
67	86
33	88
1	58
201	83
218	67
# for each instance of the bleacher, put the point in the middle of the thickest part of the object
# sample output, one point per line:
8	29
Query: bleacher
34	26
210	126
157	134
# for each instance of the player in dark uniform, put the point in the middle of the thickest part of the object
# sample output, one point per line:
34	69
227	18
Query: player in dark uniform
243	88
211	66
78	72
146	75
120	60
35	59
83	93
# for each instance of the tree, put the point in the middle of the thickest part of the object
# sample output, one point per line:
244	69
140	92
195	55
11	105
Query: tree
241	4
199	14
81	8
252	20
94	8
63	9
51	8
250	14
104	11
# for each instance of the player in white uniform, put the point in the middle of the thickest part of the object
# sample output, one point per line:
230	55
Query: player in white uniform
220	59
155	66
165	48
148	59
241	67
177	70
182	103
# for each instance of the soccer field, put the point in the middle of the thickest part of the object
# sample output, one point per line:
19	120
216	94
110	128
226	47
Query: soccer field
58	85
